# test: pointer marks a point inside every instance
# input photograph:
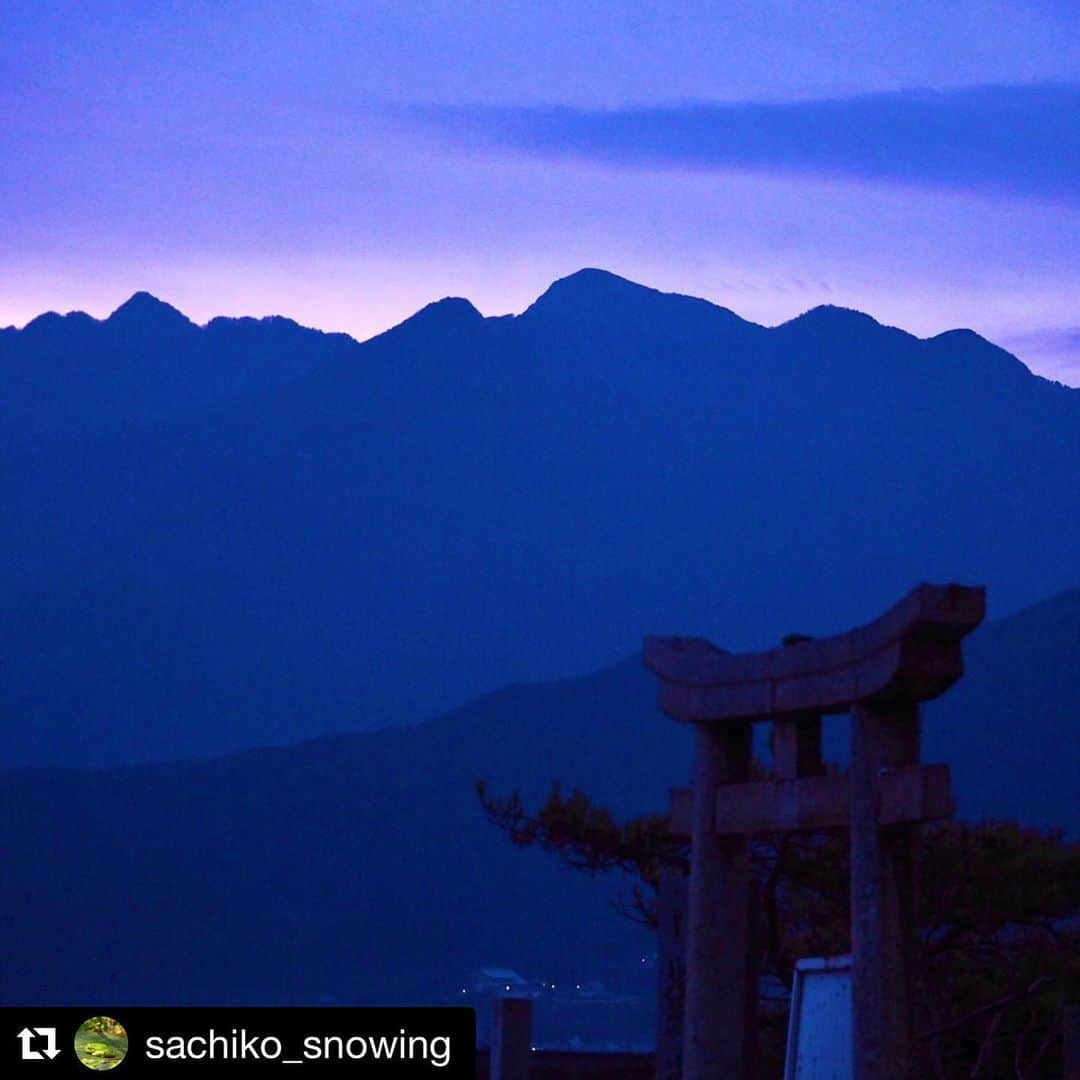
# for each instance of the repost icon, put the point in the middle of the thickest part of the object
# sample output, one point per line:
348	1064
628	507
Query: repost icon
32	1039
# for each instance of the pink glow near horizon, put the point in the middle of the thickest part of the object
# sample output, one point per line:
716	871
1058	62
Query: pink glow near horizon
363	296
139	155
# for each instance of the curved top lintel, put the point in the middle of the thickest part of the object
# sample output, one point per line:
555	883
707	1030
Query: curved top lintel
911	652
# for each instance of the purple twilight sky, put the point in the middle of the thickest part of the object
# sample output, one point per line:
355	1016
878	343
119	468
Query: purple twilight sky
346	163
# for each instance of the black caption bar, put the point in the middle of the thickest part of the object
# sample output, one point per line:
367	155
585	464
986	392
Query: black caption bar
124	1042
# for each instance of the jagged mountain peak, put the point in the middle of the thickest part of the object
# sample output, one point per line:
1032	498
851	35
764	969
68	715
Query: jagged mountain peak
593	282
449	313
52	322
598	294
970	350
588	290
145	310
833	316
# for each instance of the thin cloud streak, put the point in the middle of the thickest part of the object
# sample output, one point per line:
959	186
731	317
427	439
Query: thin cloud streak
998	140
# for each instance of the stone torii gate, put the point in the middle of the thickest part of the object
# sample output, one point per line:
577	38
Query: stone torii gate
879	673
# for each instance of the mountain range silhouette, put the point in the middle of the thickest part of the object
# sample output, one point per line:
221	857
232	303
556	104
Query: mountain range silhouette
250	570
249	533
360	867
67	377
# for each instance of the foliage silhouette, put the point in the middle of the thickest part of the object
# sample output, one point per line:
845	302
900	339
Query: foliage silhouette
999	915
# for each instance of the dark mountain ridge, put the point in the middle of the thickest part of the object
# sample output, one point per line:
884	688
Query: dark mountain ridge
360	866
71	377
464	502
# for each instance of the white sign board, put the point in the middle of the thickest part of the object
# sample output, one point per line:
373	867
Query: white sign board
819	1027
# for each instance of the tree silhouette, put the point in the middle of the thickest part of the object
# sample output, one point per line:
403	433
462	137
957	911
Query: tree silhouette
999	915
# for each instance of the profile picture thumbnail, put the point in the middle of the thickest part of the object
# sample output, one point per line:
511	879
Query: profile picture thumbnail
101	1043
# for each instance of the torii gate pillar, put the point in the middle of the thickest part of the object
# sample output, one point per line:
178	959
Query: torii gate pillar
718	971
879	673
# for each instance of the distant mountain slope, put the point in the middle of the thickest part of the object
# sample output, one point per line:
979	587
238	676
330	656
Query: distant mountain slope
465	502
72	376
361	867
1011	728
